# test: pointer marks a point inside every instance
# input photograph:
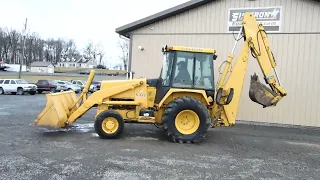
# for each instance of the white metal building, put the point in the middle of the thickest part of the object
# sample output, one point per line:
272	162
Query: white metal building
42	67
293	28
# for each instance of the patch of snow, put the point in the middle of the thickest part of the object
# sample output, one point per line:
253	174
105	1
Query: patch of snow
130	150
83	127
139	138
95	135
303	144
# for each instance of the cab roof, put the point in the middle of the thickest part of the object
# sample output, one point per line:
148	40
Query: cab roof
188	49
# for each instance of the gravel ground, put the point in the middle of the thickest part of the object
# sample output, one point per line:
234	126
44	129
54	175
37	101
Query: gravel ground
241	152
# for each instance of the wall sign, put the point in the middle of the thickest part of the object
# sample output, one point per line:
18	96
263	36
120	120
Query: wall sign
269	17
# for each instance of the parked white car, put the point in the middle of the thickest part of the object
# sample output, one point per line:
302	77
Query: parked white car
79	83
69	86
17	86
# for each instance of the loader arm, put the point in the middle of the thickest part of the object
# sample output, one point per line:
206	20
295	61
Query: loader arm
99	97
229	90
64	108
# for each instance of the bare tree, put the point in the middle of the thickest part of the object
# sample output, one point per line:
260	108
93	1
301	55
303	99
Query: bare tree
124	56
90	51
14	37
37	49
100	52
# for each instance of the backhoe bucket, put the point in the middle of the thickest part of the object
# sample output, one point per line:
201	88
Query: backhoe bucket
57	110
260	93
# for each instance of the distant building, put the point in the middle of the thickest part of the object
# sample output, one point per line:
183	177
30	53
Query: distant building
42	67
81	62
86	63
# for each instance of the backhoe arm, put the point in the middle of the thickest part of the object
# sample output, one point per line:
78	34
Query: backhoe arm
229	91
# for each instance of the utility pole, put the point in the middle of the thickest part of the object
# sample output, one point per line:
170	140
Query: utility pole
23	46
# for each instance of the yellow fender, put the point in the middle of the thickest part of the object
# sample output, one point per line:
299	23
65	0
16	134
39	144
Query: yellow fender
176	93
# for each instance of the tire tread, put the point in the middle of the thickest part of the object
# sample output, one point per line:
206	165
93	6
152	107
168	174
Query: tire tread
183	101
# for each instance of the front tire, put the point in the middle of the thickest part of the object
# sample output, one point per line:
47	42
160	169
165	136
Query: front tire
20	91
52	90
32	92
109	124
186	120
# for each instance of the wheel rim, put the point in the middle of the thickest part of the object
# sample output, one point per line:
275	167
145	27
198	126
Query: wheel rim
187	122
1	90
19	91
110	125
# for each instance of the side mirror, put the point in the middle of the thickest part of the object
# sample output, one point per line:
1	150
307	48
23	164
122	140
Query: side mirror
214	57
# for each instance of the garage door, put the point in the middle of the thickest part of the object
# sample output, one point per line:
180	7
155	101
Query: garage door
50	70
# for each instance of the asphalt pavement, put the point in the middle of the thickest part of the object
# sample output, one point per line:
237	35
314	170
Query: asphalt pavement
244	151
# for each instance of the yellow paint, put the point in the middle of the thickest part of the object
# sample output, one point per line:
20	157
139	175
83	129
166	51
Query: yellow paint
57	110
191	49
187	122
151	96
174	93
110	125
64	108
225	115
158	115
143	119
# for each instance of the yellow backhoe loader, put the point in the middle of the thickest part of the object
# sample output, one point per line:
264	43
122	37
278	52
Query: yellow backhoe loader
184	100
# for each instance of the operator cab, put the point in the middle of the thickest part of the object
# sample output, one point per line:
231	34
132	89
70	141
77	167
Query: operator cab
185	68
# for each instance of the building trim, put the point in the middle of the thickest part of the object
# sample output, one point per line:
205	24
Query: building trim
130	53
140	34
124	30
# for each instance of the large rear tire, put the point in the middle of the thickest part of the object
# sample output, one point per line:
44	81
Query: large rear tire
186	120
109	124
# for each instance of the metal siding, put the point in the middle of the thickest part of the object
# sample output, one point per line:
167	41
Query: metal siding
294	50
297	15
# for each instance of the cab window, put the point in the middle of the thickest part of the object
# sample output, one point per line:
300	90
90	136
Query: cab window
203	71
183	72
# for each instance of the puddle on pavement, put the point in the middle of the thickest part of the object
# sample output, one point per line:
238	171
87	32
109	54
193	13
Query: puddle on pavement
82	128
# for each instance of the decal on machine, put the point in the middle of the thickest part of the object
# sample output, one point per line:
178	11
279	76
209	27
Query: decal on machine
141	95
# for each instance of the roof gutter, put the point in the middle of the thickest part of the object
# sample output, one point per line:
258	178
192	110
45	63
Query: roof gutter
124	37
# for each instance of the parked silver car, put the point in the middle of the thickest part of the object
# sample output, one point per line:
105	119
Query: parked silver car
69	86
81	83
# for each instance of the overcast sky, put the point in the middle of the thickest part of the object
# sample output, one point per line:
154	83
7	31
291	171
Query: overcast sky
81	20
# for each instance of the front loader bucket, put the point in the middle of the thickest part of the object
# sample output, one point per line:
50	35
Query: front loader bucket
57	110
260	93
